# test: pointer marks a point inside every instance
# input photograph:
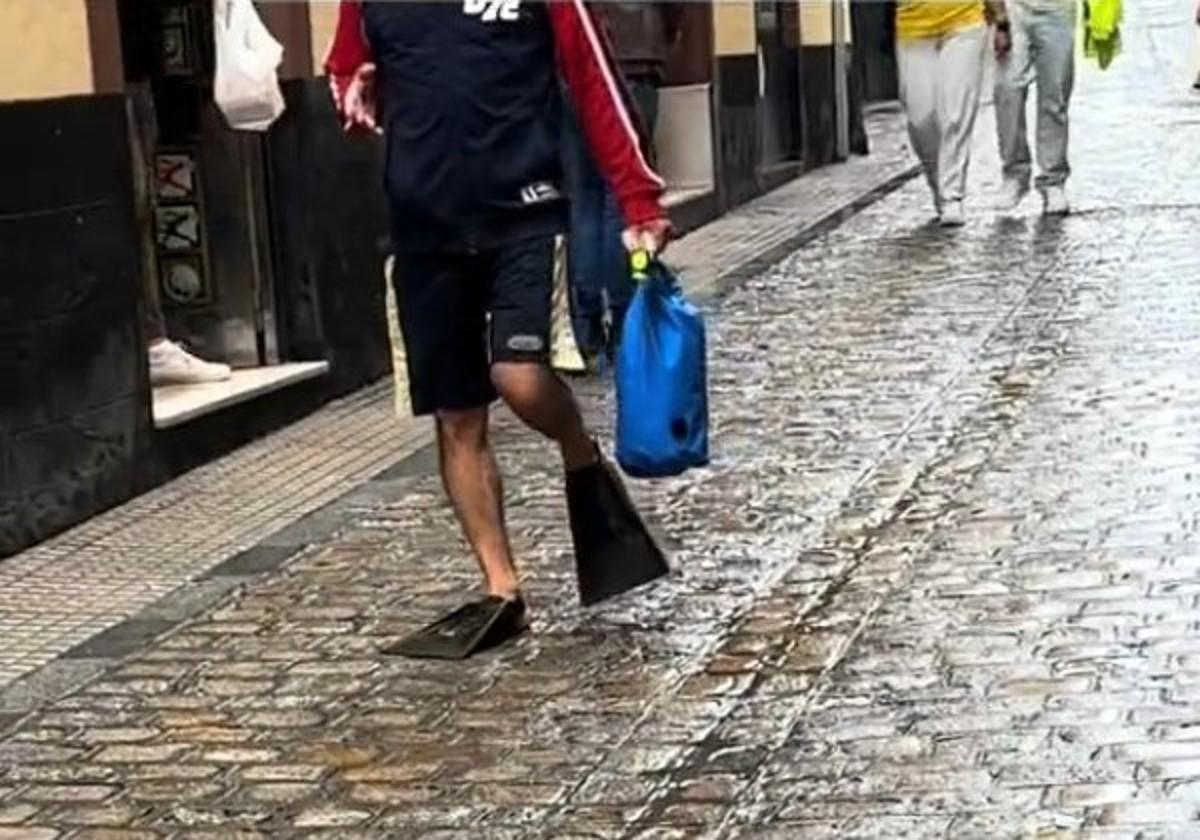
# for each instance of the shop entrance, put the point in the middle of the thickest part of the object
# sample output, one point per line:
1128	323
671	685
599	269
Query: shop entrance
206	251
778	25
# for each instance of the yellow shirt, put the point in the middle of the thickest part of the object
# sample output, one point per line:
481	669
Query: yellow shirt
918	19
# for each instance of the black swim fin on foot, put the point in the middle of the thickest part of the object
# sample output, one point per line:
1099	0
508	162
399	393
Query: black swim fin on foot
614	552
468	630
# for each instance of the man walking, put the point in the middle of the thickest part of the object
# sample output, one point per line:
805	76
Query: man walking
470	109
1041	50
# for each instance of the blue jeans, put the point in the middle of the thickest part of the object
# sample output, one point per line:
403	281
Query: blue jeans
597	263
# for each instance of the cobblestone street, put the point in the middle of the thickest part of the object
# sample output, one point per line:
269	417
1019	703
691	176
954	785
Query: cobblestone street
941	580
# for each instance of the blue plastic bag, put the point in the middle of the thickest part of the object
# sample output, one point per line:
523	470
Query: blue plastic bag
662	385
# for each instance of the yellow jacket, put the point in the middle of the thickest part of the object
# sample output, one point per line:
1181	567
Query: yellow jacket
1102	30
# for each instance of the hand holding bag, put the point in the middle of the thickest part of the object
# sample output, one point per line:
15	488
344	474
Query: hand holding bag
246	84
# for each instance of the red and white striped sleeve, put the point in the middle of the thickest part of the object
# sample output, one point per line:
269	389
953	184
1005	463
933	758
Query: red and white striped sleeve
347	52
585	62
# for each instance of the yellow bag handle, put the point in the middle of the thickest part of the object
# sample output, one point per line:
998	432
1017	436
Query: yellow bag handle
639	264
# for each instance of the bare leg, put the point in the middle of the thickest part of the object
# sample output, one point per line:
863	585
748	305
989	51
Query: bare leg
472	481
547	405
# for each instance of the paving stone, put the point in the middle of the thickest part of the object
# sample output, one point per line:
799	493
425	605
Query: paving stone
283	773
330	818
14	814
158	792
103	816
68	793
118	735
170	772
239	756
280	792
139	754
29	832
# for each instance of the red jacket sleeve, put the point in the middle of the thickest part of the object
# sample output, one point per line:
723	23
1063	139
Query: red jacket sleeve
586	64
348	51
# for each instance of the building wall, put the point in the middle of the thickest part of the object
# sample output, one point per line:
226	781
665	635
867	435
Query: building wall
329	219
875	50
819	74
736	100
756	99
74	421
44	50
330	231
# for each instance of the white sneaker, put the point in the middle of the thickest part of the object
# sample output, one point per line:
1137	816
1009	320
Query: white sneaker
1013	193
952	215
170	364
1055	202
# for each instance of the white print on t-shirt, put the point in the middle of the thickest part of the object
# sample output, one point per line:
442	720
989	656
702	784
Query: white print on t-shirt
489	11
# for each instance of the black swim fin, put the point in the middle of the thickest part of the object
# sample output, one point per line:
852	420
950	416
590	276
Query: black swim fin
614	552
468	630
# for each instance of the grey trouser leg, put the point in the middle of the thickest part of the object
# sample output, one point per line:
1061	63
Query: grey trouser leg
1043	52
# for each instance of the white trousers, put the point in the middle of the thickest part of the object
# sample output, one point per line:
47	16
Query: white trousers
940	81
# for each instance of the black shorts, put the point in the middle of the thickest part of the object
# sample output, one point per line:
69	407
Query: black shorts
461	313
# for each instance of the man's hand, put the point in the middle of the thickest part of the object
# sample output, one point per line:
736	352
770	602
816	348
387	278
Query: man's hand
1002	41
358	106
651	236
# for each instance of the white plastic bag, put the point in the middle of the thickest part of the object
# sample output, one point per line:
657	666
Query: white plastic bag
246	84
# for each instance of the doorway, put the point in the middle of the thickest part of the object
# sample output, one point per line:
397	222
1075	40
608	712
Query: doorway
211	252
202	187
779	110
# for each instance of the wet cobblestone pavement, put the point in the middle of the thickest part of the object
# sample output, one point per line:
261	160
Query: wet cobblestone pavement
941	580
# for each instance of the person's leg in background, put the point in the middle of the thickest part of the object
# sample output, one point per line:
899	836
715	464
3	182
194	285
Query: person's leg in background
169	363
917	63
585	190
645	98
1053	33
1014	75
960	68
620	285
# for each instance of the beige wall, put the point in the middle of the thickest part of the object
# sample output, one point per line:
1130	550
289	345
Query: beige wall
734	30
323	20
44	49
816	22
